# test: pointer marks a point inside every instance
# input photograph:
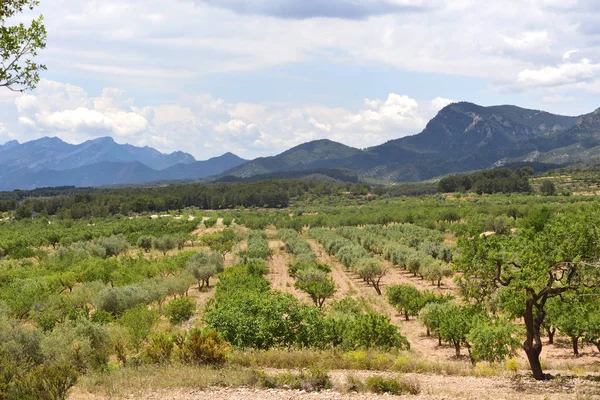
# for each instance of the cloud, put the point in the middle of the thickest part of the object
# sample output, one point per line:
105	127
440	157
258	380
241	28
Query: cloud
304	9
567	73
207	126
68	110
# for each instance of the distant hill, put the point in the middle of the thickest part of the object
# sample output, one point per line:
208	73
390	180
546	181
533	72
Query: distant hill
115	173
53	153
323	175
462	137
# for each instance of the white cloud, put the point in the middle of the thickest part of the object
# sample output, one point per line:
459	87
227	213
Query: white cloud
529	41
563	74
205	126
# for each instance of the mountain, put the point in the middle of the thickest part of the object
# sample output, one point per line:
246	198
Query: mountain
53	153
581	144
115	173
202	169
461	137
317	154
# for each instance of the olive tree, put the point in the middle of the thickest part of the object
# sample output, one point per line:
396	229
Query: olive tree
532	267
164	244
204	266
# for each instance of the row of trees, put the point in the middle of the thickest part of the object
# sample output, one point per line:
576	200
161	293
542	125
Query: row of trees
311	277
352	256
499	180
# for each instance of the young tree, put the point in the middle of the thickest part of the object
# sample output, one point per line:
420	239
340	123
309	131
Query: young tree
372	272
139	322
316	283
492	341
406	298
531	268
19	45
455	324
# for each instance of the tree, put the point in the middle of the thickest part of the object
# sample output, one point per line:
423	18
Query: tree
220	241
316	283
372	272
164	244
570	315
455	324
406	298
530	268
19	45
145	242
23	212
548	188
204	266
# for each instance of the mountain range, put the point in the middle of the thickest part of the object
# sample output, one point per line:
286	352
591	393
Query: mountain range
48	162
461	137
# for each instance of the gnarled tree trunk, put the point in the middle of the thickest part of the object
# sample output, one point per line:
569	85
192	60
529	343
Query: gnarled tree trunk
533	342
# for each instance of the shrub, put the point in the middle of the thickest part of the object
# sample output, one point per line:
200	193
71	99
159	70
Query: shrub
139	322
113	245
205	348
395	386
159	348
180	310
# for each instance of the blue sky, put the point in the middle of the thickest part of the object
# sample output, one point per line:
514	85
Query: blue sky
256	77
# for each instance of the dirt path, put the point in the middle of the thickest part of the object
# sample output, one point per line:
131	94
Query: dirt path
278	271
421	345
345	286
432	387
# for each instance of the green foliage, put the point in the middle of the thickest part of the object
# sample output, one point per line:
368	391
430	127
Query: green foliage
145	242
19	45
114	245
407	299
164	244
159	349
492	341
548	188
500	180
139	322
317	284
203	266
205	348
221	242
258	246
394	386
180	310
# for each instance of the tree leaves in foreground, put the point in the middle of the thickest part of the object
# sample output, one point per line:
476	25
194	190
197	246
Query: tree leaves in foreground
527	270
19	45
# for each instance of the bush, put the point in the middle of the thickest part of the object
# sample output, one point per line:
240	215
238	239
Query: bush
159	348
395	386
205	348
180	310
139	322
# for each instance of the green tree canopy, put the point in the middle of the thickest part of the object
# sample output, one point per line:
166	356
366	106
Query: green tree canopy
19	45
530	268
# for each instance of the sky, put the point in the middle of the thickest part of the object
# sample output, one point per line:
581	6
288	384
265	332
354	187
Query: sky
256	77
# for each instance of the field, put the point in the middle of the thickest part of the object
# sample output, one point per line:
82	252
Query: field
340	295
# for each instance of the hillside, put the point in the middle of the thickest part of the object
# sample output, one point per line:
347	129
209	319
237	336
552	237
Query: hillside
462	137
115	173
